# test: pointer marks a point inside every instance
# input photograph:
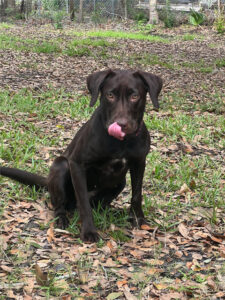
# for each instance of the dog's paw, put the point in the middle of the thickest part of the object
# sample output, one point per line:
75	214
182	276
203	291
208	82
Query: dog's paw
138	222
90	236
62	222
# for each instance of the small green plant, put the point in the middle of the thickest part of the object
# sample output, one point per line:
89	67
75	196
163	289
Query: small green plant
97	17
141	17
57	18
46	47
5	25
168	16
220	62
196	18
219	23
78	51
144	28
189	37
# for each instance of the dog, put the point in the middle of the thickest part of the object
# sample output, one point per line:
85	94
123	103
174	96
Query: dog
114	140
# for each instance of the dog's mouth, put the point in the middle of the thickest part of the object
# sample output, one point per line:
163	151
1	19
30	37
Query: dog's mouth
119	133
115	130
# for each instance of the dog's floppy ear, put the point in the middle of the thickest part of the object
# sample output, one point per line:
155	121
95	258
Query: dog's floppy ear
94	82
154	85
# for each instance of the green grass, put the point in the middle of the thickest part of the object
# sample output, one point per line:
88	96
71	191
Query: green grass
123	35
85	47
46	47
4	25
189	37
79	47
150	59
220	62
9	41
41	104
28	137
200	66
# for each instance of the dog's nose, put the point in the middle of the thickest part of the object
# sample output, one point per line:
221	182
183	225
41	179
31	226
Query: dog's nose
123	124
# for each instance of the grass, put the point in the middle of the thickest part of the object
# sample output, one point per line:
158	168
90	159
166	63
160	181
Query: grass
83	47
147	59
123	35
4	25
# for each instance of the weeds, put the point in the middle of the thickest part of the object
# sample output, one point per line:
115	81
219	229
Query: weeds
196	18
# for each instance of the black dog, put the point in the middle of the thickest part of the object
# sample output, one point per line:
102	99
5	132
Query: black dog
113	141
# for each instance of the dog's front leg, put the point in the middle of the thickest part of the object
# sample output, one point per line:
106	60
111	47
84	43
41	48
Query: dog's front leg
88	230
137	169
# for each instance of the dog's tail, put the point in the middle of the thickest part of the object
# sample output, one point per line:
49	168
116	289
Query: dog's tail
24	177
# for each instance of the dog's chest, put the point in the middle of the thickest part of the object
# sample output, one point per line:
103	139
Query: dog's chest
107	173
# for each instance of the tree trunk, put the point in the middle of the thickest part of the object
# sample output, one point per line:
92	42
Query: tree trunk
71	9
28	8
81	17
125	8
2	7
22	7
153	14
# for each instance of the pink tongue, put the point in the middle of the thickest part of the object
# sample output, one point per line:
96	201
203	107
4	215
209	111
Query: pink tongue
115	130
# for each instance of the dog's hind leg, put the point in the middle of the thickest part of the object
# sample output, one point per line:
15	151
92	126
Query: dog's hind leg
61	190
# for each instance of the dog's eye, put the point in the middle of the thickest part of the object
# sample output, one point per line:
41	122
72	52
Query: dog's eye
110	96
134	98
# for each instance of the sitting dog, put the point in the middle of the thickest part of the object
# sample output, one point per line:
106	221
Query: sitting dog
115	139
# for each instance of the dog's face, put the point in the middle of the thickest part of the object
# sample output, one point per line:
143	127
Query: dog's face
123	97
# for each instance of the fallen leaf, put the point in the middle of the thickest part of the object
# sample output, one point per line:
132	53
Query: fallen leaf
50	233
173	147
121	283
211	283
61	284
27	297
123	260
137	253
6	268
219	241
160	286
183	230
153	271
110	263
220	294
29	285
170	296
41	277
197	256
68	297
147	227
113	296
10	294
184	189
128	294
156	262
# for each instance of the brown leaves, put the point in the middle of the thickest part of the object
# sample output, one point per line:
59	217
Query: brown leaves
50	233
41	276
183	230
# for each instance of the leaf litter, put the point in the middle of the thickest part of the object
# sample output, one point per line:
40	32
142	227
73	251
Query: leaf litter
187	263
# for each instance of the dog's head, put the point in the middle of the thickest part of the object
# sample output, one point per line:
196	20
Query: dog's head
123	97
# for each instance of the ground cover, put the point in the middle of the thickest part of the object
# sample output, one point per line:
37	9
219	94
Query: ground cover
43	102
